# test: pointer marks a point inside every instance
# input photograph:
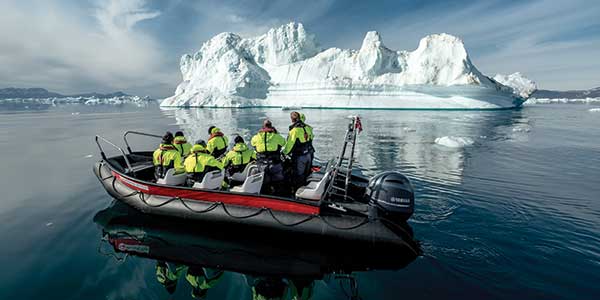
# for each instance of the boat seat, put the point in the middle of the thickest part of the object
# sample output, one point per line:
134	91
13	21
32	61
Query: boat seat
172	179
315	177
241	176
211	181
315	189
253	182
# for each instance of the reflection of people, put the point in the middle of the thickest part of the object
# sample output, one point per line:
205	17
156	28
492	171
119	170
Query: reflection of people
276	288
202	279
167	275
299	147
267	288
166	157
301	289
268	143
217	142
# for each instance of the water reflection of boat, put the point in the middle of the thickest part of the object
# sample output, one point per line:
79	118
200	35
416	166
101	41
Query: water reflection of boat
206	250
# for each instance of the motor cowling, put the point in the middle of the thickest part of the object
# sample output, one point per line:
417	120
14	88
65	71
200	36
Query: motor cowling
391	196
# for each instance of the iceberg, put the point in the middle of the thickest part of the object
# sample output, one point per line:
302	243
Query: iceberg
286	67
522	85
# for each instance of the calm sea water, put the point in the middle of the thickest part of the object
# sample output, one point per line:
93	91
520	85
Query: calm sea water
515	215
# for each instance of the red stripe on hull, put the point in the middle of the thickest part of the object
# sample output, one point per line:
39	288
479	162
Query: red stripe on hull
235	199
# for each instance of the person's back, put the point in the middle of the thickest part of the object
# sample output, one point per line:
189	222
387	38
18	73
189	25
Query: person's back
268	143
239	157
299	147
217	142
199	162
166	157
181	144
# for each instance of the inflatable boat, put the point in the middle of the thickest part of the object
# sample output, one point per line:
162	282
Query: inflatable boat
336	203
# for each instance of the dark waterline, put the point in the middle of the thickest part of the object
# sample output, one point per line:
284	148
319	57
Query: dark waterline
515	215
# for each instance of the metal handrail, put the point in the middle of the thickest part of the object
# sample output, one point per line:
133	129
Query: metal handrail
117	147
138	133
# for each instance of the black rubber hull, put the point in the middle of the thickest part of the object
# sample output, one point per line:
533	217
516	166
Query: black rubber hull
341	227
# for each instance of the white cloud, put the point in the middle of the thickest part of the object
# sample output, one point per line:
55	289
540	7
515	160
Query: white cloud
52	46
534	37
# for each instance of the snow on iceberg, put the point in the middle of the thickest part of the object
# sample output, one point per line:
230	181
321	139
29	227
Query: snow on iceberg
454	141
286	67
520	84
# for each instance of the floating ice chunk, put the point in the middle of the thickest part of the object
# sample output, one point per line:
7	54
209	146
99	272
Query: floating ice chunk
291	107
49	224
454	141
597	109
522	128
408	129
89	156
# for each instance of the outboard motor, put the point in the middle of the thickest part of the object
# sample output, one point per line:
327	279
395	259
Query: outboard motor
390	196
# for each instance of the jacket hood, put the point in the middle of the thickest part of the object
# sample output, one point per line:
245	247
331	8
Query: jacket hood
179	140
198	148
240	147
166	147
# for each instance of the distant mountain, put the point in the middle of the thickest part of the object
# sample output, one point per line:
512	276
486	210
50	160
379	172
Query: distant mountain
39	93
574	94
27	93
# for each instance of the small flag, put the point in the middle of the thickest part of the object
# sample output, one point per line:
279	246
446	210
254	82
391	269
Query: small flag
358	124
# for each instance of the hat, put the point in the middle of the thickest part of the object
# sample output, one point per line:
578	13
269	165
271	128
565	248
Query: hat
178	133
210	129
200	142
167	138
238	139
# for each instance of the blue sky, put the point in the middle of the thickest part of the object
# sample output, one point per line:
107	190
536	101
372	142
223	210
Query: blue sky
135	45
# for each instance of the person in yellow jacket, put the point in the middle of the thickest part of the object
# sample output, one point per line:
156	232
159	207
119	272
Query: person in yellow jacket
181	144
268	143
217	142
168	274
202	279
199	162
239	157
166	157
299	147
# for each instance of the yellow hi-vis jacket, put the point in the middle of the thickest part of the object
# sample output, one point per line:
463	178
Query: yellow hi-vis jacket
300	136
217	141
182	146
167	156
240	155
197	161
267	141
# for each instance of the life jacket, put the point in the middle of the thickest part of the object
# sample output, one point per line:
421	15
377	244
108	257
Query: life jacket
164	158
237	159
182	146
217	143
268	143
302	136
199	163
